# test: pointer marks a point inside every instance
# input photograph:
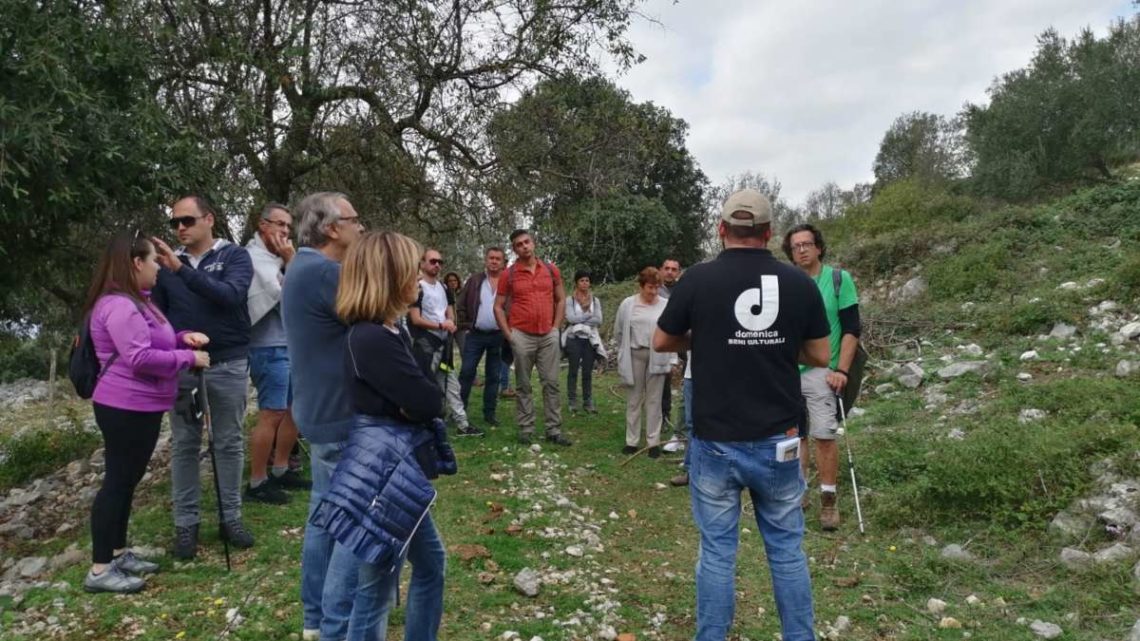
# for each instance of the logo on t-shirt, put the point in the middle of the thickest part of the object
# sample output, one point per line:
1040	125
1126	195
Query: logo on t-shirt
756	310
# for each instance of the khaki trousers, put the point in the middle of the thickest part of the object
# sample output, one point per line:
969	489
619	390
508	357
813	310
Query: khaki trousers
543	350
647	392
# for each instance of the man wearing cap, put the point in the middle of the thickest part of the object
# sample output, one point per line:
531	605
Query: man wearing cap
749	321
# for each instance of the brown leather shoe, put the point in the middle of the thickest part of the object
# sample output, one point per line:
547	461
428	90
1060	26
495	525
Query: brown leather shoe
828	512
681	480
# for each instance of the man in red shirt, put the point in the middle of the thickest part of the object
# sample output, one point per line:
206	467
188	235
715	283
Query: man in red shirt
533	292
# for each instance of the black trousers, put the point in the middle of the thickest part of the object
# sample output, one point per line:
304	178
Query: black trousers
580	353
128	442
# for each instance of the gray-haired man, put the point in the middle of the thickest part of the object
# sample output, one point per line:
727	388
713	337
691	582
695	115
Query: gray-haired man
315	335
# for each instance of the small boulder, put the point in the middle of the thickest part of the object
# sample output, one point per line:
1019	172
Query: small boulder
1075	560
1045	630
954	370
910	291
910	375
973	349
1071	525
1031	355
955	552
949	623
1126	368
935	606
1131	330
1030	415
527	582
1063	331
31	567
1113	554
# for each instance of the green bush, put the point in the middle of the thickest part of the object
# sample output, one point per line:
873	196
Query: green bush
36	452
21	358
974	271
910	204
1125	281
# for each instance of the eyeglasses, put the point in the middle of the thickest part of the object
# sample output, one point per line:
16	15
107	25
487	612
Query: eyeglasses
184	221
800	247
436	261
352	220
280	224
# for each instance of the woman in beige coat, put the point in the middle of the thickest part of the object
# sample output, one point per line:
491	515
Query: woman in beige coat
641	368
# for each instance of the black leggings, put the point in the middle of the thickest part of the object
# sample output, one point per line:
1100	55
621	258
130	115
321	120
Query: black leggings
128	442
580	353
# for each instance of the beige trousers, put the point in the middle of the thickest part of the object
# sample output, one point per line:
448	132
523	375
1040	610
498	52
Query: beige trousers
647	390
545	351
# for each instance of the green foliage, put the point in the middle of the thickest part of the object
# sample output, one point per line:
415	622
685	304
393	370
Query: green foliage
910	204
37	451
921	146
975	270
1070	113
1126	278
578	151
21	358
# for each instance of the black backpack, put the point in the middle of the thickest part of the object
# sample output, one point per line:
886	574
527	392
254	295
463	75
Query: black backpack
858	364
83	364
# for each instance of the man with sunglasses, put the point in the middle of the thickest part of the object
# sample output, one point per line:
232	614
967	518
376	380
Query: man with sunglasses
271	249
432	320
203	286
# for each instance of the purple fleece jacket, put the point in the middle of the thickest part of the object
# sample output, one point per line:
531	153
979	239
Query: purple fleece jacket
144	376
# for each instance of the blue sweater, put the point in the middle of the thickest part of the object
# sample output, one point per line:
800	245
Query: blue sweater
315	338
210	299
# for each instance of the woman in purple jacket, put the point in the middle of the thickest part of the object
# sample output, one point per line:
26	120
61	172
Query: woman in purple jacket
140	360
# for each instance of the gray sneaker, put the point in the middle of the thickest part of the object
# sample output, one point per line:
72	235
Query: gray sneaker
130	563
112	580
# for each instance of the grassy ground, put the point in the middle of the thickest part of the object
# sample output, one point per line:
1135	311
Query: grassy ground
641	560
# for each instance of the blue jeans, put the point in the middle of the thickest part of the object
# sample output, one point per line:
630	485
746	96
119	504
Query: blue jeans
318	545
718	472
687	399
477	345
376	590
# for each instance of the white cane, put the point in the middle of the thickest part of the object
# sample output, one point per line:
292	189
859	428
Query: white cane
850	461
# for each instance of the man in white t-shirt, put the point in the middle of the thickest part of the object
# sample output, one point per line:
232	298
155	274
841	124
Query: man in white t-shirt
432	319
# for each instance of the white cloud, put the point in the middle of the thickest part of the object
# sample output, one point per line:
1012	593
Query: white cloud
803	91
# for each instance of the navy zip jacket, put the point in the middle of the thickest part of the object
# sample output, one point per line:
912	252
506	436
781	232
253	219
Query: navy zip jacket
211	299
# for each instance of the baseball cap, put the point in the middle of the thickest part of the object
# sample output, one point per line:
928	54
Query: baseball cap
748	201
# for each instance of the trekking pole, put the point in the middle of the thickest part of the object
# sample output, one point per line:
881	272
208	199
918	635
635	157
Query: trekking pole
850	462
208	426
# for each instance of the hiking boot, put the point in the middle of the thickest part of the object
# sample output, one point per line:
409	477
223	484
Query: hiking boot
525	439
291	480
470	430
491	421
573	406
559	439
655	451
681	480
508	393
234	531
267	492
130	563
185	542
828	512
589	406
112	580
629	449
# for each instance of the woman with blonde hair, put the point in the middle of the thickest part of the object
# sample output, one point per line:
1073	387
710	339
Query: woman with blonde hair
140	356
377	505
641	368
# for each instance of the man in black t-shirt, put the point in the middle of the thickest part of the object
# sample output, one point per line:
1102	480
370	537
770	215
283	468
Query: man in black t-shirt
749	321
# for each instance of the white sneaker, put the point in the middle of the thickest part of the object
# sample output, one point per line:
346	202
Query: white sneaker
673	446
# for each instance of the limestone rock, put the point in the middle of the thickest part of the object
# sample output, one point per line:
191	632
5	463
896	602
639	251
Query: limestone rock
31	567
955	552
1071	525
1075	560
1113	554
1045	630
935	606
1131	330
949	623
1031	355
954	370
527	582
1063	331
910	375
910	291
1135	635
1030	415
1126	368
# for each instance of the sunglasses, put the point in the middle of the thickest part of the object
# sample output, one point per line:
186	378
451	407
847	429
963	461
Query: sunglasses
436	261
184	221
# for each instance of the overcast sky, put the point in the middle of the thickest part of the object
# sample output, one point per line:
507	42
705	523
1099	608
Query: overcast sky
803	91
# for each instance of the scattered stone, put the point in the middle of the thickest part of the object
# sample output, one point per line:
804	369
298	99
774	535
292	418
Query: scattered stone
1131	330
956	434
1075	560
1119	516
954	370
1030	415
910	375
1126	368
955	552
973	600
19	497
935	606
1135	635
527	582
1031	355
1063	331
1045	630
1072	525
30	567
884	388
1069	286
950	623
574	550
1112	554
1094	282
607	633
1024	377
69	557
973	349
913	289
486	578
509	635
999	602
